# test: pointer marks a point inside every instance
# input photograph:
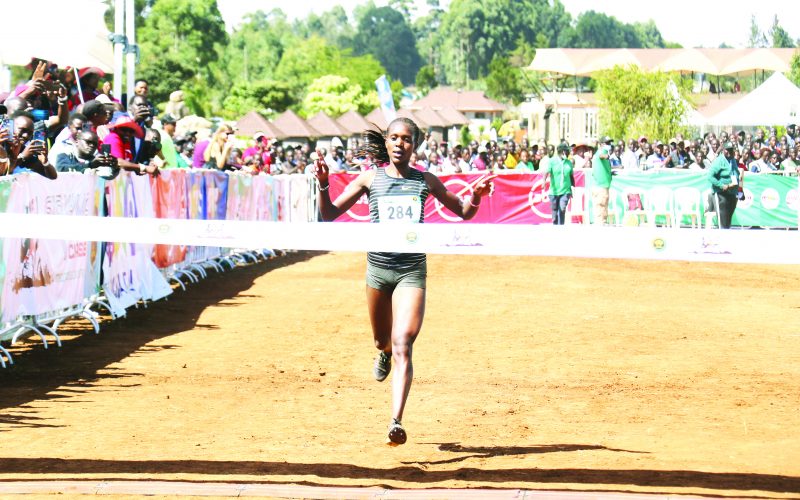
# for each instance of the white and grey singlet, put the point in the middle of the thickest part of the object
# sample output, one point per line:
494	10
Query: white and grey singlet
397	200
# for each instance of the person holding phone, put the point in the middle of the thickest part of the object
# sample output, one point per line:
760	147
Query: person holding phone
82	157
32	150
396	282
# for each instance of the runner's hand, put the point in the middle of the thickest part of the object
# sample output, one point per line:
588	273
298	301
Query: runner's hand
484	187
321	169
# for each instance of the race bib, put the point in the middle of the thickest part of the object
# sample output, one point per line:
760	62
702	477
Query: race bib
399	208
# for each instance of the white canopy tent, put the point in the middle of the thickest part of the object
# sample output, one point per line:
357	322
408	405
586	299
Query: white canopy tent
774	102
69	33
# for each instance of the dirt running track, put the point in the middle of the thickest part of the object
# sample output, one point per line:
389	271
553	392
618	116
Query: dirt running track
532	373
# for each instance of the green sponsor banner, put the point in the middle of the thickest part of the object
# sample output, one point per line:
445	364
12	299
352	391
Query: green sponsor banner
770	200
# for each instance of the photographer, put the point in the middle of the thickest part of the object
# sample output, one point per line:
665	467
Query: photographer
139	111
45	96
28	147
83	156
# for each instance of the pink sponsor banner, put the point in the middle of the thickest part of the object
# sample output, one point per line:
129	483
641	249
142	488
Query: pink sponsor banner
264	200
47	275
517	199
240	198
169	200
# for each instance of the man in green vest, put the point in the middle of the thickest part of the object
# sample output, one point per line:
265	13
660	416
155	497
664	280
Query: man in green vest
601	178
559	173
723	174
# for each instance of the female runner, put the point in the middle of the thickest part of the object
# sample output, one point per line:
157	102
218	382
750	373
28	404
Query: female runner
395	281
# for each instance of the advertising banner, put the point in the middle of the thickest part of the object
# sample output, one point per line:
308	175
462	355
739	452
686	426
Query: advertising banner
44	275
129	273
5	193
169	199
769	200
517	199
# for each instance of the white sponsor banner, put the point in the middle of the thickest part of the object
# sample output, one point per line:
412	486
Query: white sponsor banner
45	274
750	246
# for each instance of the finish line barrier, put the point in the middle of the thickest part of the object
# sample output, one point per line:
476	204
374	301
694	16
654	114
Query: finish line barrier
657	243
59	237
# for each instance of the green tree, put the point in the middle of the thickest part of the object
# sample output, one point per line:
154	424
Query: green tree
464	136
757	38
384	33
336	95
256	46
268	97
634	103
426	79
405	7
794	73
184	36
504	81
596	30
473	32
780	38
648	35
294	67
333	26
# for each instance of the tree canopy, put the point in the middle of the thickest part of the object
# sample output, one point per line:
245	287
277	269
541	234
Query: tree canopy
268	62
634	103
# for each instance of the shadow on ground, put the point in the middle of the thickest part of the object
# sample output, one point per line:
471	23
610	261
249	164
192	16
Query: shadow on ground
84	359
731	482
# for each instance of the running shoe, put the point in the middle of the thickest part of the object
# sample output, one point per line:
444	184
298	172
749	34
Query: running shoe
397	435
383	365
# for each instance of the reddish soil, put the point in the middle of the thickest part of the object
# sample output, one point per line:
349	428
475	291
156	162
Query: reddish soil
532	373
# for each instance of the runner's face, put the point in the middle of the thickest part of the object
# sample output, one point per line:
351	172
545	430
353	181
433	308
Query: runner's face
399	143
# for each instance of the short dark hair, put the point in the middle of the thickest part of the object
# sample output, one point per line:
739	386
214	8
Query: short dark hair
136	96
77	116
93	107
141	80
22	112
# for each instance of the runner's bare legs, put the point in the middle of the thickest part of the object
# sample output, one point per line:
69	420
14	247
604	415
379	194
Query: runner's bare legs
396	321
408	306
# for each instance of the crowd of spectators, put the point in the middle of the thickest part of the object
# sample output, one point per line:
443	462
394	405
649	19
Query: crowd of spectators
56	122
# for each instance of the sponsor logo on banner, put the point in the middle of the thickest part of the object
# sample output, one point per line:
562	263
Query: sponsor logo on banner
463	190
358	210
770	199
793	199
537	196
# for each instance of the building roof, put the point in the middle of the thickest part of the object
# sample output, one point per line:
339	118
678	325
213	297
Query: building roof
452	116
293	126
253	122
412	115
326	125
584	62
461	100
431	117
353	123
376	116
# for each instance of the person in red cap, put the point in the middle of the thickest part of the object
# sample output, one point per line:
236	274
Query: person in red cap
120	141
89	80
